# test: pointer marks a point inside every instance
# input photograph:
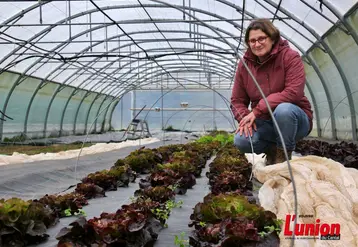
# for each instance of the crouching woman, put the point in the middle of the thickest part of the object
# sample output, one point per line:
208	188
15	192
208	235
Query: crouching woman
280	73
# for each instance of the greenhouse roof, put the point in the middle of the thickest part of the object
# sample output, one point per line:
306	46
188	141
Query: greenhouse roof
104	46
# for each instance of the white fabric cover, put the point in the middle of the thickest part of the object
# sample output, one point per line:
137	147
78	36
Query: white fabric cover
325	189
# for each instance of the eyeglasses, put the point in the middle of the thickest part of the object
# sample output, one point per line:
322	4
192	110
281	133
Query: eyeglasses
261	40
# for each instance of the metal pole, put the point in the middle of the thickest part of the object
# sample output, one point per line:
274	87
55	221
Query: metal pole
214	109
162	112
122	113
133	105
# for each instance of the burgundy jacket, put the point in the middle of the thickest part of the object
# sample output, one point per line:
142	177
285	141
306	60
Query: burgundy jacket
281	77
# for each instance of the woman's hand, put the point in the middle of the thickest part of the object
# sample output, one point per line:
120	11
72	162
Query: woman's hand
247	124
248	119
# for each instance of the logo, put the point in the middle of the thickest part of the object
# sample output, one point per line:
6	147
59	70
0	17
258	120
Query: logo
315	231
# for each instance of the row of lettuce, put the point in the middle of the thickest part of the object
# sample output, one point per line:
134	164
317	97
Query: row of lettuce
171	170
228	216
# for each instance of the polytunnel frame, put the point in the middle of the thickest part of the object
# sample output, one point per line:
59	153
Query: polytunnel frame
186	7
78	35
85	96
63	85
145	64
312	95
97	96
233	24
270	113
313	64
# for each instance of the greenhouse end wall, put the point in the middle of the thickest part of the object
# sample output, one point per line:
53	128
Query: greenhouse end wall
39	109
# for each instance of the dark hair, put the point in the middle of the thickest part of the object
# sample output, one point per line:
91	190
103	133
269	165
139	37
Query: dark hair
266	26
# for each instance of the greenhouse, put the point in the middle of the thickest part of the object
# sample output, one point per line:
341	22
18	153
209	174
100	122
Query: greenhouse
157	123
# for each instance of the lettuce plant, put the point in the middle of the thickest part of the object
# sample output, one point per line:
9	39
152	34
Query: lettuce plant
132	225
101	178
24	222
71	202
229	220
229	181
159	194
229	163
168	177
89	190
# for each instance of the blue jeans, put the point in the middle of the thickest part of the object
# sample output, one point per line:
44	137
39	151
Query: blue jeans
292	121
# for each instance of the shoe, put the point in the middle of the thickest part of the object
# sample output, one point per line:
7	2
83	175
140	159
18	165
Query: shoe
271	155
280	155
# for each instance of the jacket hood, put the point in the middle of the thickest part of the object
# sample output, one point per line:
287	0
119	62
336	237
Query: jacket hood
278	47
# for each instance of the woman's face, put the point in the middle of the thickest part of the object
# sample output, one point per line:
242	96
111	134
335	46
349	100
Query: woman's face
260	43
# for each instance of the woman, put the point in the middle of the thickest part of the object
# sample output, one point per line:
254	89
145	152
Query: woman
280	73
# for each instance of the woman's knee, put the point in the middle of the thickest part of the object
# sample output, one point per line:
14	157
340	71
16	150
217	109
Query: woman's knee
242	143
285	111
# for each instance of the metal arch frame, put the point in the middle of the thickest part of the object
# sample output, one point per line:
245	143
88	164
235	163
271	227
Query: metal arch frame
86	96
72	17
88	48
95	10
50	28
150	17
201	11
134	60
111	114
117	95
17	17
22	12
335	62
98	43
156	6
138	52
341	18
124	91
23	74
297	46
142	65
314	102
89	80
354	35
189	68
159	60
328	95
109	65
89	110
145	64
129	71
143	79
133	76
147	69
136	75
100	106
